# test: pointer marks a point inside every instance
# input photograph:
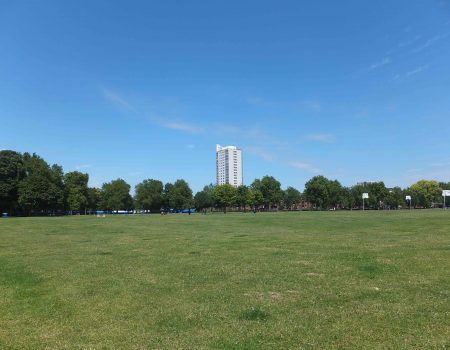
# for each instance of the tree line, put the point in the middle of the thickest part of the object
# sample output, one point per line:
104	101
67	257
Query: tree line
321	193
31	186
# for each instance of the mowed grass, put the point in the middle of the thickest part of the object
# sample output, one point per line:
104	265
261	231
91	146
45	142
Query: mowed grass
304	280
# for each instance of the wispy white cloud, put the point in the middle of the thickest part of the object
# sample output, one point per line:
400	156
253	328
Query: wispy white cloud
117	100
431	42
409	42
120	102
261	153
253	133
181	126
416	70
412	177
83	166
440	164
399	77
327	138
437	170
305	166
380	64
264	142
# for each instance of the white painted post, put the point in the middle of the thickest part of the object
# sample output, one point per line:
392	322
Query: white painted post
445	193
364	195
408	198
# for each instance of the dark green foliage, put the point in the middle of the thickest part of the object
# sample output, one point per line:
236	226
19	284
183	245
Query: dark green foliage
204	199
425	193
242	196
149	195
29	185
444	185
395	198
180	195
42	190
270	189
94	198
255	198
347	199
323	193
11	173
291	197
225	196
166	195
316	192
76	184
177	196
116	195
378	195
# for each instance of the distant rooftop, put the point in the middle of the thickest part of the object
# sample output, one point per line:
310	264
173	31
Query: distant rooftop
219	147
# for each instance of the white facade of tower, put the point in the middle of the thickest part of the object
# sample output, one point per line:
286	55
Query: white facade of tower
229	165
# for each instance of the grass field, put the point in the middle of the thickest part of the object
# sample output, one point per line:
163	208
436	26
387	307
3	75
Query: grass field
238	281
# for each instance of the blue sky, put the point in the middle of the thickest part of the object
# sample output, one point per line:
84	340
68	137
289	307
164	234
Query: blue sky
353	90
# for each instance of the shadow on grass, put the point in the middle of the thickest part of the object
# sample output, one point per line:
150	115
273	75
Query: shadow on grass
254	314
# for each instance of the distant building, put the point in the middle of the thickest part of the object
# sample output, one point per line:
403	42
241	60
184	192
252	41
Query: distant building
229	165
364	183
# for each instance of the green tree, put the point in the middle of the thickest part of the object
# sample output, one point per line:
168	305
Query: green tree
378	194
395	198
57	188
270	189
166	195
425	193
336	194
444	185
149	195
180	195
291	197
116	195
225	196
11	173
94	198
42	190
357	191
347	198
241	196
204	199
76	184
323	193
255	198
